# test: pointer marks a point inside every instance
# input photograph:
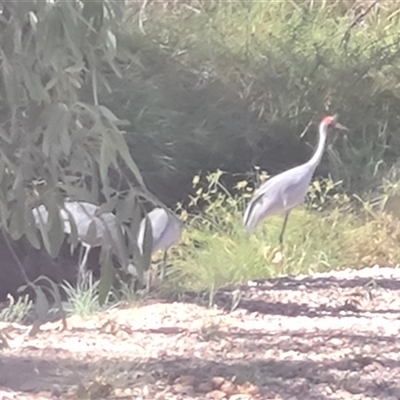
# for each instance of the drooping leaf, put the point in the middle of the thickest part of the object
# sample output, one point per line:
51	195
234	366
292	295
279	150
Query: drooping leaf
129	209
31	232
17	223
41	309
143	248
56	233
106	277
10	81
55	225
111	43
107	113
147	245
123	150
55	292
107	157
56	127
16	228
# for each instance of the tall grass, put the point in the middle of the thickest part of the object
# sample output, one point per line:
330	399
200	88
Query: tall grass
328	232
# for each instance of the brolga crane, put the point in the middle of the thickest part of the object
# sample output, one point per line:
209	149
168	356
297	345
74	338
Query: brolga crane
287	190
166	230
93	229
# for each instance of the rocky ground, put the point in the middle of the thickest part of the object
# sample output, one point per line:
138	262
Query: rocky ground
326	336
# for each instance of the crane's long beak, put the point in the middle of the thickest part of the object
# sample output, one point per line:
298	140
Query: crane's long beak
340	126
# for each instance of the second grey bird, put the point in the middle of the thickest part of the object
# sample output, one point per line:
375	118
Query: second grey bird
287	190
93	228
166	230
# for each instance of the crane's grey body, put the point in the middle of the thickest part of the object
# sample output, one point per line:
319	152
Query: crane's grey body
278	195
93	228
96	229
166	230
287	190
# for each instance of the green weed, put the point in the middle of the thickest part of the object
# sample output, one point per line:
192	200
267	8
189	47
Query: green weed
16	310
82	300
327	232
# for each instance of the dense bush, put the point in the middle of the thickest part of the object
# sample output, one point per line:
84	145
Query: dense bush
232	85
204	85
53	144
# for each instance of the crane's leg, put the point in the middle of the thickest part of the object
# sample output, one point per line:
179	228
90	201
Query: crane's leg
82	265
283	228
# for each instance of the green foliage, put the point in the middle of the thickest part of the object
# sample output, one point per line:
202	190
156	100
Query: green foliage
240	81
57	139
46	292
16	310
82	300
328	232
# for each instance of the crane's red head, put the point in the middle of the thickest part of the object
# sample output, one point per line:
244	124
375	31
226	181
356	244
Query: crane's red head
330	121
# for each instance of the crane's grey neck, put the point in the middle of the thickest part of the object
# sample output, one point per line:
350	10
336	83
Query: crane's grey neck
319	151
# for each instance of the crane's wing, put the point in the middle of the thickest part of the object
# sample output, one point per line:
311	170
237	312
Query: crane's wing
166	229
278	195
92	228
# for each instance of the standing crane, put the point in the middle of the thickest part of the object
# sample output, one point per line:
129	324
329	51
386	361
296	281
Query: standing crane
166	229
288	189
94	229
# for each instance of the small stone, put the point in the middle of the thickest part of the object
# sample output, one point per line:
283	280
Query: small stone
240	396
229	388
336	342
119	392
185	380
249	388
205	387
216	395
184	389
217	381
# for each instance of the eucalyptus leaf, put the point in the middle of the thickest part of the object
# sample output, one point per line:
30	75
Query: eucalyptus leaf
111	43
31	232
123	150
42	306
107	113
106	277
107	156
16	228
55	292
56	127
10	81
93	233
57	145
56	232
147	245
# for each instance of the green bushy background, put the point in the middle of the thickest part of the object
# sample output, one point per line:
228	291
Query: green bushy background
143	97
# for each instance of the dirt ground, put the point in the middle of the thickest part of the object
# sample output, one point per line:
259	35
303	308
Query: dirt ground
325	336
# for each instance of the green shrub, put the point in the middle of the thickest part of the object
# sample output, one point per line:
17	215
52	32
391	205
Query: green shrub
328	232
236	84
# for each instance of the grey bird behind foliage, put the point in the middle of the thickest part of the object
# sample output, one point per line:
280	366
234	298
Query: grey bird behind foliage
166	230
165	227
93	228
